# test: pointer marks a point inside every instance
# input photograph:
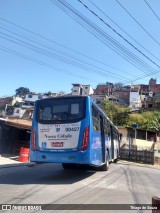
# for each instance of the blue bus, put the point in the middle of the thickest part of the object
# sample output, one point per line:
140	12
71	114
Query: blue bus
73	130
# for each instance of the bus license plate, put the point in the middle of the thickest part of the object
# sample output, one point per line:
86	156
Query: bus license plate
57	144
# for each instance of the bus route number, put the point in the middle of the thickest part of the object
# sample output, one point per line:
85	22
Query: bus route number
72	129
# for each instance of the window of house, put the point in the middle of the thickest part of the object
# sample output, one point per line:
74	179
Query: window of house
29	96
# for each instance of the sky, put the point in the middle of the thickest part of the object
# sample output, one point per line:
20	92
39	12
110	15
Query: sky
48	45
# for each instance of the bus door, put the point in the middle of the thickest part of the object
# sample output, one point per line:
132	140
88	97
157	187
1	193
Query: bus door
102	138
112	142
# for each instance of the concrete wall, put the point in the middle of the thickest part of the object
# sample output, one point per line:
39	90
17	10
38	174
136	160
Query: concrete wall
157	150
18	112
141	144
134	101
87	90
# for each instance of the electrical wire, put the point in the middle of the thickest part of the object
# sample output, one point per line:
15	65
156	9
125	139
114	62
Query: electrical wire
60	45
123	30
152	9
3	48
99	71
71	11
118	33
60	58
138	23
67	58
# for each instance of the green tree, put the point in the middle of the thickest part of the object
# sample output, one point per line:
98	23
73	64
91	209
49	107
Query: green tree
121	116
147	120
154	123
109	108
49	93
135	118
147	117
22	91
117	114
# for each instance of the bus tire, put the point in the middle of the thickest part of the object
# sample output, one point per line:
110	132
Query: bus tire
105	166
116	160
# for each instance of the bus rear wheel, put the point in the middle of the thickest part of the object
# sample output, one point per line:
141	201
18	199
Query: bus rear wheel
116	159
105	166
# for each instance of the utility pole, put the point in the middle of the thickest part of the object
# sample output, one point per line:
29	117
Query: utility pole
135	126
129	154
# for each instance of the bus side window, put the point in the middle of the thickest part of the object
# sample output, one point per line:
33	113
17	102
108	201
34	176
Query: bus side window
96	119
105	127
114	133
109	130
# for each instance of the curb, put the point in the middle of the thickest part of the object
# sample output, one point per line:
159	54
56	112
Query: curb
29	164
139	164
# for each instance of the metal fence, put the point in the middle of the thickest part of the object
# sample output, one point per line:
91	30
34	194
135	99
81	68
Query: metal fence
143	156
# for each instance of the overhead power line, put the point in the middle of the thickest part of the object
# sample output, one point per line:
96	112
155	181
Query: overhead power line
74	61
152	9
123	30
115	76
118	34
104	37
47	53
138	23
3	48
60	45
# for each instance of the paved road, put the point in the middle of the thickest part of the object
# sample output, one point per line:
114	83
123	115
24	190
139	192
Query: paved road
50	184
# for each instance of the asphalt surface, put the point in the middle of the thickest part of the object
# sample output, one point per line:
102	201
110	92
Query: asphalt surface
12	161
45	184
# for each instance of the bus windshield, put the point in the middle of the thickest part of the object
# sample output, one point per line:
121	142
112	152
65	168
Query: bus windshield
57	110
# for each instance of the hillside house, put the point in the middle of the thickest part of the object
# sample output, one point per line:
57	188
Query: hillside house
104	89
143	139
79	89
30	99
14	134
